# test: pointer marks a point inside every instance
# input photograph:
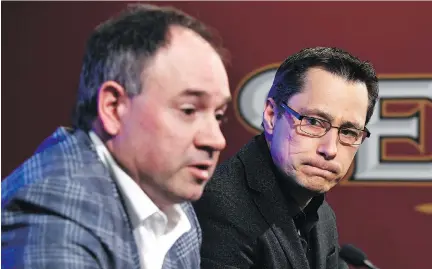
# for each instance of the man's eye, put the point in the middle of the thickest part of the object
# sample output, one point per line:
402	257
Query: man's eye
351	132
189	110
221	118
314	122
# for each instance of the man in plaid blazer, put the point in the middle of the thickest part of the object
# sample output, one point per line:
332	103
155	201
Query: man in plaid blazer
114	191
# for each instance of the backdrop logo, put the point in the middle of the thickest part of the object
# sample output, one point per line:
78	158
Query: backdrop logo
400	147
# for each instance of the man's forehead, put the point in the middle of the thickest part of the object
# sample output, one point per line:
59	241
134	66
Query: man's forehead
181	40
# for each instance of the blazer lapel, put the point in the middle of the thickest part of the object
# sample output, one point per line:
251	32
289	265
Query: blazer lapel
84	147
320	248
271	201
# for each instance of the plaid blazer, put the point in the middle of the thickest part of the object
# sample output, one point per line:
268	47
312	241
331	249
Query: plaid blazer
62	209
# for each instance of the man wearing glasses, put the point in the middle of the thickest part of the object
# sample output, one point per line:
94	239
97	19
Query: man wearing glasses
265	206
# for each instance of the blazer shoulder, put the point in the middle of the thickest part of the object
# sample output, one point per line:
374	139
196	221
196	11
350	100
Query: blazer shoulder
67	179
66	161
64	197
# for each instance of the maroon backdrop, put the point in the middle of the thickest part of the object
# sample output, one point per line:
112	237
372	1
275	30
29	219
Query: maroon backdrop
42	48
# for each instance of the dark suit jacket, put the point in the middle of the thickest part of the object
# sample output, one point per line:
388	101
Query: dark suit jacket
246	222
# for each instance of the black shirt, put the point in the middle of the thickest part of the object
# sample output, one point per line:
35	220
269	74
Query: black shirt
305	219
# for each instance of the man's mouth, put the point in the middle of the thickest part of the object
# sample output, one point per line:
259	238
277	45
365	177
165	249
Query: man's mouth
201	171
329	167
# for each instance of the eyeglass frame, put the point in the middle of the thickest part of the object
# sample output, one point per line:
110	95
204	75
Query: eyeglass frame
301	117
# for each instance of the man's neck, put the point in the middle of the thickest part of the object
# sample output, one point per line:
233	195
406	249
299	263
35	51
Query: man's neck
156	196
300	194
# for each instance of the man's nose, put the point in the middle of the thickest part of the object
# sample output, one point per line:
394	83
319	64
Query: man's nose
328	144
210	137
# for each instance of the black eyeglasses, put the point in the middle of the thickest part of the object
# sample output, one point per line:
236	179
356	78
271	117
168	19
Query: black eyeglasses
318	127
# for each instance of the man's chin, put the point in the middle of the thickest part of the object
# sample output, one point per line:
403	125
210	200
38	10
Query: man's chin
194	193
318	185
195	196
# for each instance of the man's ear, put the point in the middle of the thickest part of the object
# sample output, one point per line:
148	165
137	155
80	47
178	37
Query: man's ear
269	116
111	106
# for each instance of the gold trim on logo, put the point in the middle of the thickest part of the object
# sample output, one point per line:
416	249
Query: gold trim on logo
424	208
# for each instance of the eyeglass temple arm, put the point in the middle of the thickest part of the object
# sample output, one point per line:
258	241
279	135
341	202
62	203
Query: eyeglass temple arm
367	132
291	111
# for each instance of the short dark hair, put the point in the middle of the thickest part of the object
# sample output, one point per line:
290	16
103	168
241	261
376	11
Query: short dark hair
120	48
290	75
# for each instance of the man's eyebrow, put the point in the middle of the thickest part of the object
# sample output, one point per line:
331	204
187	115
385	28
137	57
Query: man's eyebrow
199	93
317	112
350	124
330	118
194	92
226	101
